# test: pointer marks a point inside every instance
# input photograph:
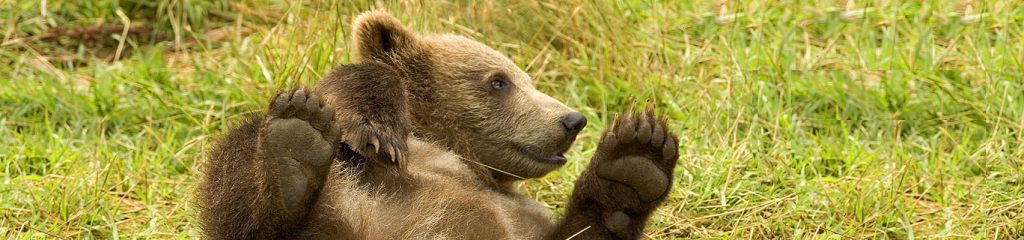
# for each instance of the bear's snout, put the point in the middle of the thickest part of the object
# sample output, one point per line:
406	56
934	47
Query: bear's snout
573	123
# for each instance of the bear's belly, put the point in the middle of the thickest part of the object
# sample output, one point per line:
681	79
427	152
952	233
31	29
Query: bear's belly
445	201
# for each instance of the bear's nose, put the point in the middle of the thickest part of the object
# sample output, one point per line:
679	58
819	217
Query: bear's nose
573	123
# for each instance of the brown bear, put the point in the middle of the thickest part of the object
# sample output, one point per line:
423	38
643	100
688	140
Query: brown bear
424	138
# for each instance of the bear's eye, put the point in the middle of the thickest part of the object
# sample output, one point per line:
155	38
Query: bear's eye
498	82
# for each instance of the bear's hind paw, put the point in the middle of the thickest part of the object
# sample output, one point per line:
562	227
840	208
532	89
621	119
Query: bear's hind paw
638	152
631	172
299	138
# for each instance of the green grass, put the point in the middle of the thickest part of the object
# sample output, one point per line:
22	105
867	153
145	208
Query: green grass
797	119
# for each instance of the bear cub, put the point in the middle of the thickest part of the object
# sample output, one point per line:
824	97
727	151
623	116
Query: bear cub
424	138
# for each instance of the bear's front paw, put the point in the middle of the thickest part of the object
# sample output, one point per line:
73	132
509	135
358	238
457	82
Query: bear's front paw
385	144
631	172
300	139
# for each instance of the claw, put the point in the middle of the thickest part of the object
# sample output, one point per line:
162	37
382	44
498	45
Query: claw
391	153
376	144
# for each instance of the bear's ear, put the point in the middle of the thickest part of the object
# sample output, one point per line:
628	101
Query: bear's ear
379	36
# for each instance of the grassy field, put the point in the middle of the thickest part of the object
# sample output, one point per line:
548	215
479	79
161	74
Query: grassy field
798	119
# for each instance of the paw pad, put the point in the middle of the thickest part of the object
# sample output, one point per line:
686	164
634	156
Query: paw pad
634	160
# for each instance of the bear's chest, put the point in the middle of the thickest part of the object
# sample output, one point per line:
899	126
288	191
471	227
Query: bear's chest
441	200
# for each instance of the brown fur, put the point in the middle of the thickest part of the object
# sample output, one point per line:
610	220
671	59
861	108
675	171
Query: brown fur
425	147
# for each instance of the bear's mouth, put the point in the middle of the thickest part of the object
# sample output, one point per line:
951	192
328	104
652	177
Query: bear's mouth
534	153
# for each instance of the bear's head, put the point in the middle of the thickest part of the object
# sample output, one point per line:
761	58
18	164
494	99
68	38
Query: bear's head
471	99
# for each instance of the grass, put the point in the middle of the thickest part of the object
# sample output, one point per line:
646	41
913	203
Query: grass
798	119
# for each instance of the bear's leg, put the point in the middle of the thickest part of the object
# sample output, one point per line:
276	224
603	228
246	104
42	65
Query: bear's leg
264	175
629	175
371	109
